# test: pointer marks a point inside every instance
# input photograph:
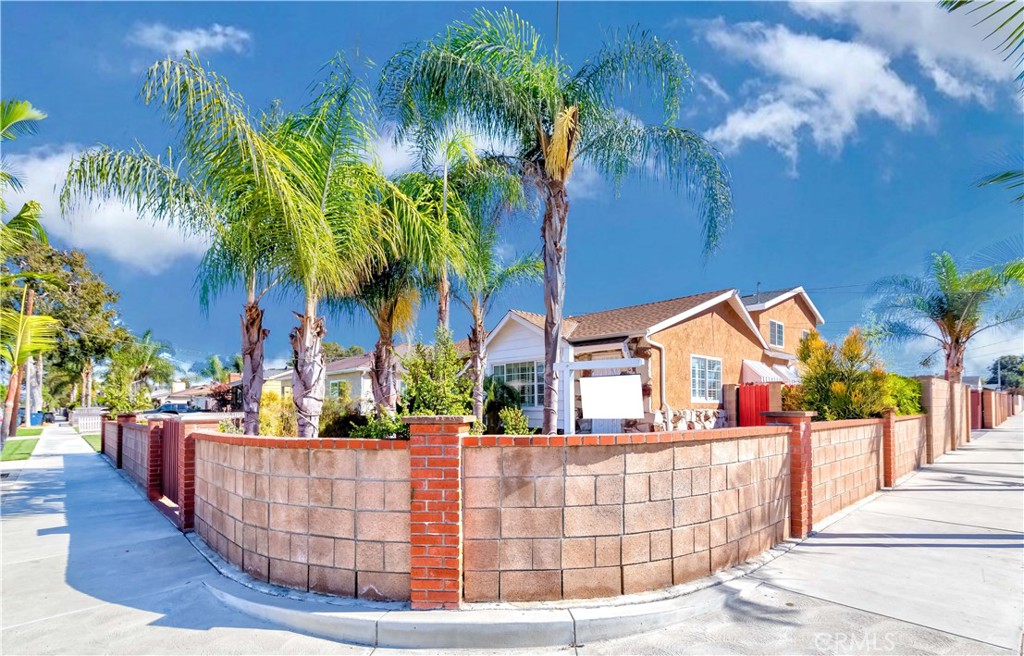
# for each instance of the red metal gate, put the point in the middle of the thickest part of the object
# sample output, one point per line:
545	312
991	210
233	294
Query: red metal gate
753	401
975	409
171	439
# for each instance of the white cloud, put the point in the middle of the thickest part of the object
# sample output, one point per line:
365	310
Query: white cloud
815	85
169	41
111	229
713	86
949	48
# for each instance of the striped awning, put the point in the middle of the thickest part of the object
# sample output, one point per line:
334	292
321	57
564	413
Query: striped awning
789	375
759	372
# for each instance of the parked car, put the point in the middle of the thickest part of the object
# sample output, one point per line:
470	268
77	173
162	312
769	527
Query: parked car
172	408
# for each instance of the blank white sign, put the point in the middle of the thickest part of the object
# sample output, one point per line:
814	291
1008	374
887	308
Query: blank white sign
612	397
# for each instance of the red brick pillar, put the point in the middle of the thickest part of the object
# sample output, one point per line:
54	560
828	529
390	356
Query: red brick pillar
187	470
889	447
800	472
154	461
435	516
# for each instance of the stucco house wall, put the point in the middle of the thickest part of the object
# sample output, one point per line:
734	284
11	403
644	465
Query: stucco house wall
796	316
359	387
718	333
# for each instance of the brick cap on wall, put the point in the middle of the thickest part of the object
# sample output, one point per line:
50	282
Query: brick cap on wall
439	419
788	413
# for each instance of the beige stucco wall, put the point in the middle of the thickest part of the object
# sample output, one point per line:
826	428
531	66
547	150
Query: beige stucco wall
795	316
720	333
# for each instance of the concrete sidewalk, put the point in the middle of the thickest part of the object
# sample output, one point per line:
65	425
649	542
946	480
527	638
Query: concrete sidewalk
89	566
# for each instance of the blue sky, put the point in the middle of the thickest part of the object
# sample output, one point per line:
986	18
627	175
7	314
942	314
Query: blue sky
853	133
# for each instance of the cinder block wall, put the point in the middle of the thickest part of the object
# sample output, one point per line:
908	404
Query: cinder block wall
111	437
135	453
846	457
569	522
910	444
332	517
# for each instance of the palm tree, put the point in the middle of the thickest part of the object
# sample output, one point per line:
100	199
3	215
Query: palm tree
24	336
456	151
351	203
147	360
949	306
491	75
390	297
214	369
225	179
17	117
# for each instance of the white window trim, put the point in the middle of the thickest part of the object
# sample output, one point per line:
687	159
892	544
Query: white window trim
539	384
771	333
705	399
804	334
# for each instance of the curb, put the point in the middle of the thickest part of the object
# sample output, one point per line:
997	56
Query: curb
543	624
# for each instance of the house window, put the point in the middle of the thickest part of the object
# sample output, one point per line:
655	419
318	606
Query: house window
777	330
334	389
527	377
705	379
804	334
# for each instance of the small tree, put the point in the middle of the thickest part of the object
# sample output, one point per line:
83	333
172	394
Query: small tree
434	382
1007	371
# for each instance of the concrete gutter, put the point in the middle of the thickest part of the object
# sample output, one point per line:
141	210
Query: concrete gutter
544	624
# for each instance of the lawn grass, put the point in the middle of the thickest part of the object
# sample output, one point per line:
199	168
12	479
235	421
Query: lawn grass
18	449
29	432
94	441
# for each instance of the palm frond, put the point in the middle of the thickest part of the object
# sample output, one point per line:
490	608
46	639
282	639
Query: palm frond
18	118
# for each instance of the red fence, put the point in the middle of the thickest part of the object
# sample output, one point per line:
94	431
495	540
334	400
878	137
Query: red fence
753	402
975	409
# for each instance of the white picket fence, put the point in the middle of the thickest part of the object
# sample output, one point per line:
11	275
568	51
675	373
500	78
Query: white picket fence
87	424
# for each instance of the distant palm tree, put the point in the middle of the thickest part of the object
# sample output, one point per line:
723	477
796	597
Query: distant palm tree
491	75
226	180
22	337
949	306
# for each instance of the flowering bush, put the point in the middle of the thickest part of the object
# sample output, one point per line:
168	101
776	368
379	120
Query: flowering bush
840	381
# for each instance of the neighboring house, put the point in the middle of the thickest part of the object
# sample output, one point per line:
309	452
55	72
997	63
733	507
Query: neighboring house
692	347
355	370
278	381
974	382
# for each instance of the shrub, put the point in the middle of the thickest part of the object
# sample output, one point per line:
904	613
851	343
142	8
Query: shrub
904	393
841	381
277	415
336	416
382	428
792	397
497	396
434	379
230	426
514	421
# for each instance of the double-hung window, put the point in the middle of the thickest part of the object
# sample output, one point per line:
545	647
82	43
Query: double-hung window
777	333
705	379
527	377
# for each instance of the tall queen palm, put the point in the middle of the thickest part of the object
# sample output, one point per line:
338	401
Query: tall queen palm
491	75
223	179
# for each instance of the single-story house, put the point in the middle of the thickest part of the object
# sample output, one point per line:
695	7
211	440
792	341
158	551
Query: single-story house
691	347
355	370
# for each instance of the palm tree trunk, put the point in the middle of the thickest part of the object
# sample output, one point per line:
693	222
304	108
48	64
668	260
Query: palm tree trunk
955	363
308	369
477	339
553	233
88	384
10	403
253	337
444	293
12	428
382	375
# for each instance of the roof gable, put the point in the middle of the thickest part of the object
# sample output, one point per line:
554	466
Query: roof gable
764	300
